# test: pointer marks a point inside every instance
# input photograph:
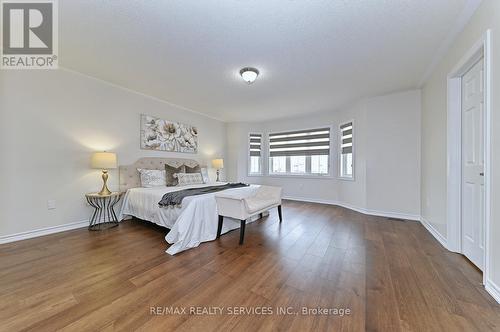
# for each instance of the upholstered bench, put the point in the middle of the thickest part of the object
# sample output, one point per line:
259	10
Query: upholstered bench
242	208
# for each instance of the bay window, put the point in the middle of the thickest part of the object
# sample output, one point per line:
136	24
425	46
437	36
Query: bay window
346	164
255	154
302	152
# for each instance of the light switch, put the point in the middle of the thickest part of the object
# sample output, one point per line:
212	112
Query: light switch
51	204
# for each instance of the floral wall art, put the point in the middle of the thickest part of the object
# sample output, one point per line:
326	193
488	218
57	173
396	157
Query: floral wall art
163	135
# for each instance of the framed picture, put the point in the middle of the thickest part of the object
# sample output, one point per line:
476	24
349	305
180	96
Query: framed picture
163	135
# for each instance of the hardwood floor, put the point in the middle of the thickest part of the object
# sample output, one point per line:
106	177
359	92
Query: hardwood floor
392	276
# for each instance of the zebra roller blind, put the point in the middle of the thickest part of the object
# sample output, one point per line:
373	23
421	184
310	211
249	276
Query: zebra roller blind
255	145
346	137
311	142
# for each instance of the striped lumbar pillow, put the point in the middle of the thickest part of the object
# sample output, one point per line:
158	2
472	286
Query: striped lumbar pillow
189	178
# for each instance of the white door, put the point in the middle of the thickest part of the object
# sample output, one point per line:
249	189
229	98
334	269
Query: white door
473	165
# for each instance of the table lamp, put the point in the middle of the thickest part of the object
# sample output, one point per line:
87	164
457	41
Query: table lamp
218	164
104	161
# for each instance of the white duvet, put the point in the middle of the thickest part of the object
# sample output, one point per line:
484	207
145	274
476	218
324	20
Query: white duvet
191	224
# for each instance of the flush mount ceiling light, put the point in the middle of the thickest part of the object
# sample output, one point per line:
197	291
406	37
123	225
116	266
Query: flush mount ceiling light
249	74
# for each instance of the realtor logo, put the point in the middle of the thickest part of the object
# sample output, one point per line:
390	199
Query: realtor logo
29	34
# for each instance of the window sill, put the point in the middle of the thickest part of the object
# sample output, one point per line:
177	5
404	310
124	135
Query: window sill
345	178
301	176
255	175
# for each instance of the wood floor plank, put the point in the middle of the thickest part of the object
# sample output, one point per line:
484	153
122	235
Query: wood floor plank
379	291
390	275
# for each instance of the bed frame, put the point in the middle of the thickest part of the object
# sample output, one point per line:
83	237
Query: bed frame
129	176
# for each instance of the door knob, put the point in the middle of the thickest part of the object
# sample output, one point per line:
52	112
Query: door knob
481	174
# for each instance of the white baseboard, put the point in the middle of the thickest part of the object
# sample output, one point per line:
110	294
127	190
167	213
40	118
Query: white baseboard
493	290
43	231
441	239
370	212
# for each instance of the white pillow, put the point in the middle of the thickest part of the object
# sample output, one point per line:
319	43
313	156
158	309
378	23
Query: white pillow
204	175
189	178
152	177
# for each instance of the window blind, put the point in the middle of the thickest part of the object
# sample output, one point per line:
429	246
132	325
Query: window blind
255	145
311	142
346	137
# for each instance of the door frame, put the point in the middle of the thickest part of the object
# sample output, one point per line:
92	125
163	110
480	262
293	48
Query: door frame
454	147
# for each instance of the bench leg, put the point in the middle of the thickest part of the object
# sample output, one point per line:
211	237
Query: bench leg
242	231
279	213
219	227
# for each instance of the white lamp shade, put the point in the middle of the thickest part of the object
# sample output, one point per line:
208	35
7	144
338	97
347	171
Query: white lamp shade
218	163
103	160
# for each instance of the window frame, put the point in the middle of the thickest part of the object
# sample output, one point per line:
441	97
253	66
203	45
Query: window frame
262	154
339	154
288	173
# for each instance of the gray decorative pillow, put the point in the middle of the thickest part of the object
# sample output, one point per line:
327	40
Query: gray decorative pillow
195	169
170	171
152	178
189	178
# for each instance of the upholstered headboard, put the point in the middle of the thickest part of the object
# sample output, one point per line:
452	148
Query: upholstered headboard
129	176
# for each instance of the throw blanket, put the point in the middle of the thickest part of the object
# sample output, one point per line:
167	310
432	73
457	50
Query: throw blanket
174	199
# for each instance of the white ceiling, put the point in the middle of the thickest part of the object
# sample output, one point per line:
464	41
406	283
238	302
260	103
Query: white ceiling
313	55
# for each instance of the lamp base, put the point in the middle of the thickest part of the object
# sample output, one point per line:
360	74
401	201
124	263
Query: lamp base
104	191
218	173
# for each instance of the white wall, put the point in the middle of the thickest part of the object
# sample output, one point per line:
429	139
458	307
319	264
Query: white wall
434	126
51	122
387	155
393	152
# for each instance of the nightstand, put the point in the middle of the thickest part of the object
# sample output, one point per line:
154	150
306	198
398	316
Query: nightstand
104	215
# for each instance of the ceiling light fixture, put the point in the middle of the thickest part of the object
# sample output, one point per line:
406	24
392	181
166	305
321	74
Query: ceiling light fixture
249	74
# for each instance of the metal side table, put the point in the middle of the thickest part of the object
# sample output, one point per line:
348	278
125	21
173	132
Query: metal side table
104	215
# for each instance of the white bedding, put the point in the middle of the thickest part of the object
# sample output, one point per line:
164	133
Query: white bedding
194	222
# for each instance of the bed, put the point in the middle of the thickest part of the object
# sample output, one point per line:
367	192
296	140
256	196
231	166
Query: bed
194	222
